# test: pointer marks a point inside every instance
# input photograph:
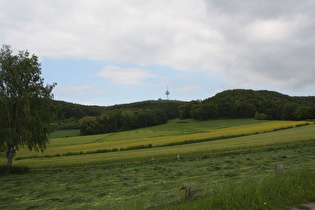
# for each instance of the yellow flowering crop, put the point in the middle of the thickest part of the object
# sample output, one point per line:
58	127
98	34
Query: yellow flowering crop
177	139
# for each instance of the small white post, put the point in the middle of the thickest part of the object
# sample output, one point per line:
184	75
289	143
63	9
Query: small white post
279	168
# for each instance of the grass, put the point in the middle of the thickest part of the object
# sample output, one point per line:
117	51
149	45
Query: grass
259	192
244	179
231	181
128	140
172	128
64	133
281	137
176	127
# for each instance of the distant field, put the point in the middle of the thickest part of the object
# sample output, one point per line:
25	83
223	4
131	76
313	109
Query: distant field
173	127
125	140
64	145
65	133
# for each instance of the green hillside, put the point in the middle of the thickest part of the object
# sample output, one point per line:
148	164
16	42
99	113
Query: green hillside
229	104
260	104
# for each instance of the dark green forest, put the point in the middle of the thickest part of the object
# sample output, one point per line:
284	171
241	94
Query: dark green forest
101	119
238	103
130	116
262	104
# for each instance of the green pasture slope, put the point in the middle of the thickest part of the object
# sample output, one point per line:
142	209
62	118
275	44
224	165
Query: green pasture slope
64	133
243	180
175	127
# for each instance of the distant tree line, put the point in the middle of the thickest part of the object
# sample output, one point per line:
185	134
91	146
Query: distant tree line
69	114
131	116
117	117
70	110
241	103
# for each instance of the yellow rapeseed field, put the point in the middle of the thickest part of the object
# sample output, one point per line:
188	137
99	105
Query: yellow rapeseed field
177	139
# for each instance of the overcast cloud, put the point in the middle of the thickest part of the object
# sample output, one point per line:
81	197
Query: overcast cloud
249	43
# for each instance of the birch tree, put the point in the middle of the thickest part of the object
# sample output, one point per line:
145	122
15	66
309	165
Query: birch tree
25	104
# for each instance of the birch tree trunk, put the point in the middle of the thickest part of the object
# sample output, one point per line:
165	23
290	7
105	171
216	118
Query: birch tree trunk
10	156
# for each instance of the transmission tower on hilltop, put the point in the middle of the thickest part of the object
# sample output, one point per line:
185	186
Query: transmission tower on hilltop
167	92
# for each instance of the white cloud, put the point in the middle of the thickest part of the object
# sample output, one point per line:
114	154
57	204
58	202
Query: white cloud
270	30
250	42
125	76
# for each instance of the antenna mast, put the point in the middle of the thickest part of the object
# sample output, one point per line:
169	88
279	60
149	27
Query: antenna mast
167	92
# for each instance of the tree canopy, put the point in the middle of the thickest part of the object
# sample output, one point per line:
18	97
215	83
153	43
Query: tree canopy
25	103
237	103
240	103
130	116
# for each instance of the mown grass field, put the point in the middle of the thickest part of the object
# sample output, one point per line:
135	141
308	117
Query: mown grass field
244	180
174	133
287	136
65	133
136	186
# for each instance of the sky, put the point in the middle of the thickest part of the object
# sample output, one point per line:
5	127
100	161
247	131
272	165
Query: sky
104	52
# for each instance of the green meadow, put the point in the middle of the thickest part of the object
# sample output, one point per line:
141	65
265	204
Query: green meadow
64	141
75	151
246	180
64	133
240	180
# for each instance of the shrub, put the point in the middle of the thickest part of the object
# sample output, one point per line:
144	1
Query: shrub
14	169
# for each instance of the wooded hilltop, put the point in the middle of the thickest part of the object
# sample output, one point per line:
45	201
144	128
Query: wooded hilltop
262	104
237	103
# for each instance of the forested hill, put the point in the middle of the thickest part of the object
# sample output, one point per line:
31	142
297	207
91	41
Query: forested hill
68	110
115	118
240	103
237	103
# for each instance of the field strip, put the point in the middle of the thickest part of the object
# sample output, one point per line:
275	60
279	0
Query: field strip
179	157
281	137
214	134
